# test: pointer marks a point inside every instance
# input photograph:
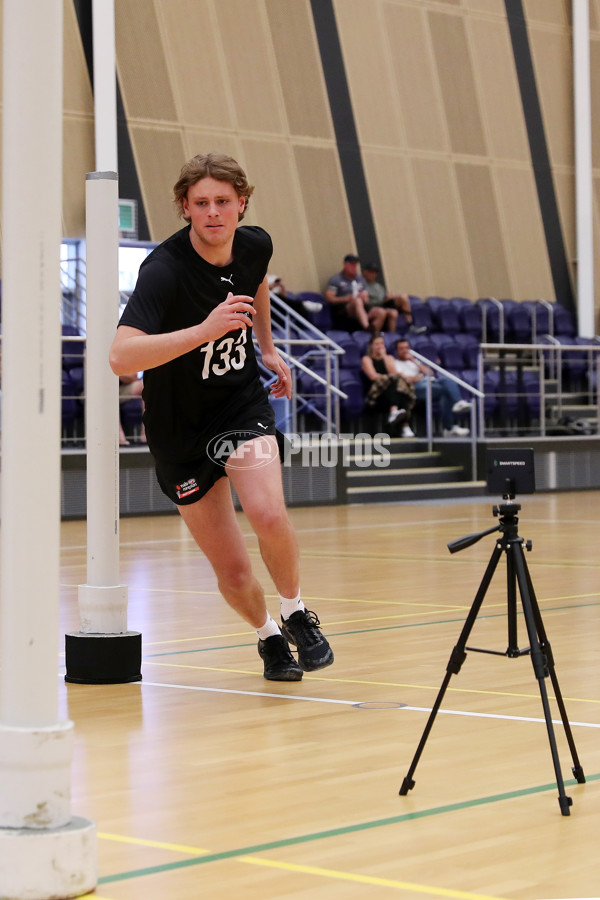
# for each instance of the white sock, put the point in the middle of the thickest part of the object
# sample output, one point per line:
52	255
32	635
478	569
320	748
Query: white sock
290	606
268	629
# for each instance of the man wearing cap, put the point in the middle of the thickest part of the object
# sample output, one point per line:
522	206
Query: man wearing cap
385	306
347	294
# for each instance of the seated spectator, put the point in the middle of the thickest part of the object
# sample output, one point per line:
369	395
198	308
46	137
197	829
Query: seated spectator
347	294
386	307
130	386
388	391
277	287
442	388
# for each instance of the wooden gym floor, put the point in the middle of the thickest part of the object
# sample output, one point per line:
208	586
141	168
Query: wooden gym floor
206	781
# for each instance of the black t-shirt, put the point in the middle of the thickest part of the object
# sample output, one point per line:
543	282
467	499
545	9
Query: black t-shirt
190	397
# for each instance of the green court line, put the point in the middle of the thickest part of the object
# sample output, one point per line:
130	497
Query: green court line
334	832
369	630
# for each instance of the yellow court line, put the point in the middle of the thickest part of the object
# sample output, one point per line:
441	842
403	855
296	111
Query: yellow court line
437	609
152	662
324	599
206	637
367	879
395	684
456	690
217	637
418	603
308	870
397	557
151	590
160	845
94	896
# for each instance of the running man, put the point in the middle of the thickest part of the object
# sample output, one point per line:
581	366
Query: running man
199	298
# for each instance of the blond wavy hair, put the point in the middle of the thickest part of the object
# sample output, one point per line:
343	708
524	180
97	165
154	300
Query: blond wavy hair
211	165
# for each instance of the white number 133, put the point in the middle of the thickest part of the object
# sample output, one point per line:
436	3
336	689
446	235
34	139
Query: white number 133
228	353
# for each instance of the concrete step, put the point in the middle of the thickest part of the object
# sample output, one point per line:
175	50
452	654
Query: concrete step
398	460
400	493
579	410
399	477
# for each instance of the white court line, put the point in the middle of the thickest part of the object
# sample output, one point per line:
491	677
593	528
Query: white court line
190	687
362	527
426	709
250	534
460	712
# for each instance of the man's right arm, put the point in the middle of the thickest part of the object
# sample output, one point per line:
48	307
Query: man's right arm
134	350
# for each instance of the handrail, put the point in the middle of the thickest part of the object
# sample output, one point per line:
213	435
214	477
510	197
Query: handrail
428	362
300	365
299	333
429	413
550	309
73	279
302	324
501	317
539	353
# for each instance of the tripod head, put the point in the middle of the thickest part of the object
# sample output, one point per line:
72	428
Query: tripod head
506	512
508	470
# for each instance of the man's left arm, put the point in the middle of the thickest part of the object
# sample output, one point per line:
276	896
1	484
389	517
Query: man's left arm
261	324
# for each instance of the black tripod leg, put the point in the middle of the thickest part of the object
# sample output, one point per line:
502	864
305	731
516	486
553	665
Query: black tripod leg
512	649
540	669
577	768
457	657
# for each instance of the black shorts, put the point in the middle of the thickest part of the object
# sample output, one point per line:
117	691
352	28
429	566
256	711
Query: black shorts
387	304
187	482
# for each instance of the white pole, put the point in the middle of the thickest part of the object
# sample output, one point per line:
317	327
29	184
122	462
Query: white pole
43	851
102	601
30	534
583	168
105	85
103	651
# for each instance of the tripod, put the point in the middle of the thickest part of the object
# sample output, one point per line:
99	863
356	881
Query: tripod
539	647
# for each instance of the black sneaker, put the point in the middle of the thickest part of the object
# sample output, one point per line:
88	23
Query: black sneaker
301	629
280	665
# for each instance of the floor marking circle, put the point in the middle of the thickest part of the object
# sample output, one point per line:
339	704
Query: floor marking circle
380	704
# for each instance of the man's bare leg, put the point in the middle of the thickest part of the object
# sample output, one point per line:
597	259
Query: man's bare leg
256	474
213	524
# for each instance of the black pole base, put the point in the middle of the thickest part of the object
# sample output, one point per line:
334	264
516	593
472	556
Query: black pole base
103	658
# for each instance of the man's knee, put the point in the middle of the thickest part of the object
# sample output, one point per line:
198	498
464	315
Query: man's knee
235	579
269	520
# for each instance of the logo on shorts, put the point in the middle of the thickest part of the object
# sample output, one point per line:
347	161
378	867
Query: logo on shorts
186	488
243	449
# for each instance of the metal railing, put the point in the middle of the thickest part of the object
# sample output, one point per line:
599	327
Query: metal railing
319	395
73	282
498	305
545	365
308	352
532	392
476	394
